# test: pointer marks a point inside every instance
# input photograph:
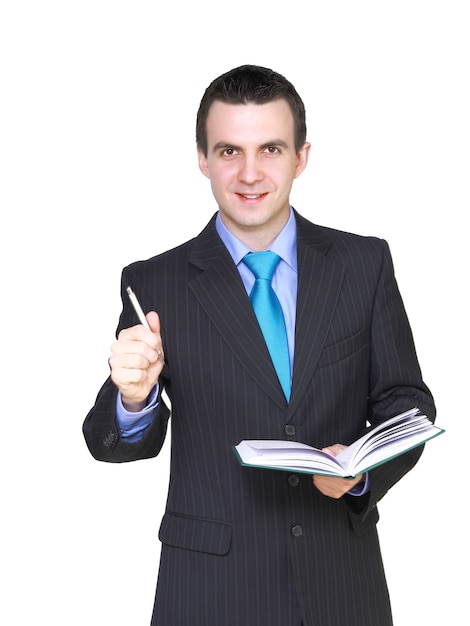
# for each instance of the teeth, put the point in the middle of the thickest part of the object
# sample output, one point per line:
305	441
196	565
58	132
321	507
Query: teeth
251	196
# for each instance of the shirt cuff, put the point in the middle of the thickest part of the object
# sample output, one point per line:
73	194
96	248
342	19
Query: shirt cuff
361	488
134	425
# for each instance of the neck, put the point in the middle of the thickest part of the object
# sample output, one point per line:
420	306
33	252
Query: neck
257	238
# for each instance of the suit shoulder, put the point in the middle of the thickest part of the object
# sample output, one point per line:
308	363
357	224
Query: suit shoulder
355	249
180	251
328	237
353	239
179	255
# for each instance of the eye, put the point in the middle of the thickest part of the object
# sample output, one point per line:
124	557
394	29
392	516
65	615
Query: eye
229	152
272	150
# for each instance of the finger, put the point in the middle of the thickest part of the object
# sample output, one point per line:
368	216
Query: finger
123	347
333	487
135	354
126	378
132	361
154	321
136	383
152	338
139	332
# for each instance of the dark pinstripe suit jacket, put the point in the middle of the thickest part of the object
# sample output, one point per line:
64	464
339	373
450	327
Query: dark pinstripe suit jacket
250	547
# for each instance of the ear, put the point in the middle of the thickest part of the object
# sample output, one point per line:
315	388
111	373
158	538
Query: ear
202	159
302	159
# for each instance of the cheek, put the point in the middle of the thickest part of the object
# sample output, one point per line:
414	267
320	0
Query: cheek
283	180
218	187
282	172
222	177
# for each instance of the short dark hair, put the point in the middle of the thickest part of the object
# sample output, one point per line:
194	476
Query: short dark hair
251	84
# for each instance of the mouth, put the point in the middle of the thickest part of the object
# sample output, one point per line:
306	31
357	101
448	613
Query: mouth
251	196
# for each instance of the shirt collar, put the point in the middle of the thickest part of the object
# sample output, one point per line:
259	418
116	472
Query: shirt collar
285	244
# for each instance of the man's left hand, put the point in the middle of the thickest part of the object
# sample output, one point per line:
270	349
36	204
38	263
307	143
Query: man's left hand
332	486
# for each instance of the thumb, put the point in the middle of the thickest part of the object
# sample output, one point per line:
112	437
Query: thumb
154	321
335	449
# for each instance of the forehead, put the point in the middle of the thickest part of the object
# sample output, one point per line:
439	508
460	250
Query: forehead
249	123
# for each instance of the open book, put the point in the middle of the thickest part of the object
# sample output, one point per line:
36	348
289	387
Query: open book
380	444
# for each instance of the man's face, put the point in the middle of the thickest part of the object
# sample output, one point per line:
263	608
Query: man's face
251	162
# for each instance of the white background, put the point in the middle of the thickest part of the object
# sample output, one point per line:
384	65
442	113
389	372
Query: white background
98	169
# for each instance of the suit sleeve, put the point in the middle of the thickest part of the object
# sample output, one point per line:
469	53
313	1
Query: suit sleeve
100	427
102	433
396	383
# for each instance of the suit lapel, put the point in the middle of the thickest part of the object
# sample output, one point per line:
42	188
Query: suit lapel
319	286
220	291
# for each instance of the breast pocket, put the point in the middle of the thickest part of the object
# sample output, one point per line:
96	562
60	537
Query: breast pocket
343	349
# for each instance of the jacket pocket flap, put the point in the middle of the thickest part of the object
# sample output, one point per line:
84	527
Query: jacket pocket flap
342	349
194	533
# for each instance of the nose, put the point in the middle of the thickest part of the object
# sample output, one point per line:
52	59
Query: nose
250	170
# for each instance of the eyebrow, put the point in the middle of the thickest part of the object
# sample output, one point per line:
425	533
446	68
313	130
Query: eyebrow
223	145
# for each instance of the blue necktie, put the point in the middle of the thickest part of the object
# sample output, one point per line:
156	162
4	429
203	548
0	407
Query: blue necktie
269	313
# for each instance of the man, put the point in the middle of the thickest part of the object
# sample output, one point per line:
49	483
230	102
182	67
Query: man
253	547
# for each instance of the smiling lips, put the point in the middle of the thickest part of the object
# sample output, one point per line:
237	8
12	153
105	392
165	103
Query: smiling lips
251	196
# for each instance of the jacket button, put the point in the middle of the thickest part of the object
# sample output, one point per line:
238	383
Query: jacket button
293	480
290	430
297	530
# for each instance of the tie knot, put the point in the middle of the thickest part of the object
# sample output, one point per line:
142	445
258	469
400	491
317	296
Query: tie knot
262	264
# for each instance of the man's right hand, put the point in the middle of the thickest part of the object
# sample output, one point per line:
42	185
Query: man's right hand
136	362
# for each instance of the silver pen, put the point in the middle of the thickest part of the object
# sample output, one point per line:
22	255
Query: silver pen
137	308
